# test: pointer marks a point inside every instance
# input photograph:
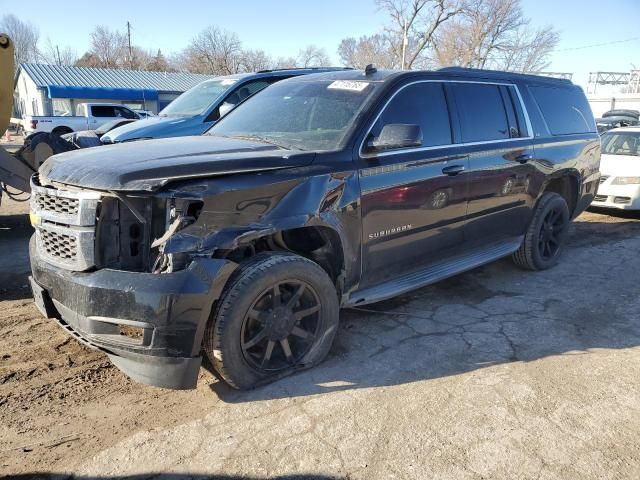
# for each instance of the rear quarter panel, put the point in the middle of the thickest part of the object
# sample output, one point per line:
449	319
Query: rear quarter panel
576	155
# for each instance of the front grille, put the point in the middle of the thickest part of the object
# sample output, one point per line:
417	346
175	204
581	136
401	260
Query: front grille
61	205
65	225
622	200
603	179
600	198
59	245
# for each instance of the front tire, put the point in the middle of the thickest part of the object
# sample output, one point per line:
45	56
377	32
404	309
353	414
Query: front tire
544	241
278	314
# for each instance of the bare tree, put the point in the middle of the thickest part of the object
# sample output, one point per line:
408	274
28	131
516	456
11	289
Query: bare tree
286	62
312	56
255	60
414	24
530	50
108	49
374	49
54	55
494	34
213	51
25	37
158	63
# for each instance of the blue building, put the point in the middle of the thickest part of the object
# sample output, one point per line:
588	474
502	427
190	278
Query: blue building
57	90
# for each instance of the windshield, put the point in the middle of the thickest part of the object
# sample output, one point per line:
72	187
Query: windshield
305	115
198	99
621	143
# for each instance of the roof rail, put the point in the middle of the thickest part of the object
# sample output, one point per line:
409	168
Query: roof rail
501	73
323	69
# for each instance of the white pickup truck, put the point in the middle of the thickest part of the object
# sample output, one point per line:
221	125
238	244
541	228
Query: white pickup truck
89	116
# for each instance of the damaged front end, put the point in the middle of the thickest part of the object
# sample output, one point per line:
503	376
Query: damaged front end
101	268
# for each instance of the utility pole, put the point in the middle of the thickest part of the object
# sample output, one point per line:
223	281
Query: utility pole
404	44
129	41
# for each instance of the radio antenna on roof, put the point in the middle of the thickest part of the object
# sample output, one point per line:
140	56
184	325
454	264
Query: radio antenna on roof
370	69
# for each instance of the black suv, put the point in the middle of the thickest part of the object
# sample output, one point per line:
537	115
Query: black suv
320	192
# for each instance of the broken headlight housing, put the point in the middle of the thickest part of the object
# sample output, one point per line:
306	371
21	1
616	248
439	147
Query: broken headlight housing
175	247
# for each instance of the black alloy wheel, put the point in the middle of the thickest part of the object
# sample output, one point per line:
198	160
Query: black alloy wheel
281	326
550	236
544	239
277	314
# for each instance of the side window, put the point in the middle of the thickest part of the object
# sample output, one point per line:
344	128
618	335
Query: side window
565	110
103	111
482	112
422	104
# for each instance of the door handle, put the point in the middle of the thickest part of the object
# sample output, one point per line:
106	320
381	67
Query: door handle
453	170
524	158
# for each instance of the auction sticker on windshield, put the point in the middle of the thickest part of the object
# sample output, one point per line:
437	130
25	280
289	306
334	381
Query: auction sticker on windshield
352	85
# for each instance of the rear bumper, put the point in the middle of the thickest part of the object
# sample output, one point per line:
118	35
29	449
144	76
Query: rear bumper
167	314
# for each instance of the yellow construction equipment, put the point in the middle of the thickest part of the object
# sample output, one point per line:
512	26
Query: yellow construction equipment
7	67
14	170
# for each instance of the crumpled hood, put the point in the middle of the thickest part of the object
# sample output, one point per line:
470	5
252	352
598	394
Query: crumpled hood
150	164
156	127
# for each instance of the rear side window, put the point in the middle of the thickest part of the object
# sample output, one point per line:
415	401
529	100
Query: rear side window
482	112
103	111
565	110
422	104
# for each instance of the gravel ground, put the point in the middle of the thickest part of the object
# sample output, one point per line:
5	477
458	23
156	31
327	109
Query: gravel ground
496	373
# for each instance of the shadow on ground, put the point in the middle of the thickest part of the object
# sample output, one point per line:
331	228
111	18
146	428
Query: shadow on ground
492	315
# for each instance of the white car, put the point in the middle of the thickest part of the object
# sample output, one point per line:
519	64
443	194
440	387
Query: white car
89	116
620	169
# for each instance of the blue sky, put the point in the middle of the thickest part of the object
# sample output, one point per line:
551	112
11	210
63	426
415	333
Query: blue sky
282	27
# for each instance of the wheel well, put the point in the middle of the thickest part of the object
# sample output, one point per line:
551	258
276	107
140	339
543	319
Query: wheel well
319	244
567	187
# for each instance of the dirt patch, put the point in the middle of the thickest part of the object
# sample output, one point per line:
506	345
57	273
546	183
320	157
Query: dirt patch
61	403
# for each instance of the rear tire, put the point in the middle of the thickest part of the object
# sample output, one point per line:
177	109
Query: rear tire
544	241
278	314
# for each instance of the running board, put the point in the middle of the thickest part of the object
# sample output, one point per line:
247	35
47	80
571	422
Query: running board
436	272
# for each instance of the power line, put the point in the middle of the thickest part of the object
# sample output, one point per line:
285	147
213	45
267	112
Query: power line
598	44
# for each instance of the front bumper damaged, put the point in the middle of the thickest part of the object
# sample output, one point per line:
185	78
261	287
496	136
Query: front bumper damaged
168	314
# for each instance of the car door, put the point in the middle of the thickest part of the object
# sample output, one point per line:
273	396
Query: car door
495	132
413	200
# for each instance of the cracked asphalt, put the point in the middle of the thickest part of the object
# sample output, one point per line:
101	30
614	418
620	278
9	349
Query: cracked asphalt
497	373
494	374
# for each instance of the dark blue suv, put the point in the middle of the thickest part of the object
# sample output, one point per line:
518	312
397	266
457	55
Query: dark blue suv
198	109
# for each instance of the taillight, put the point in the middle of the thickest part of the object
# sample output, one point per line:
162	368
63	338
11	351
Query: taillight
34	124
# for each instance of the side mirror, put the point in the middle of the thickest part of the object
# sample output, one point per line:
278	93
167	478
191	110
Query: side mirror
397	135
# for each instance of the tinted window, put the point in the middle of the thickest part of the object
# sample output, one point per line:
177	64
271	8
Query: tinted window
482	112
103	111
565	110
422	104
